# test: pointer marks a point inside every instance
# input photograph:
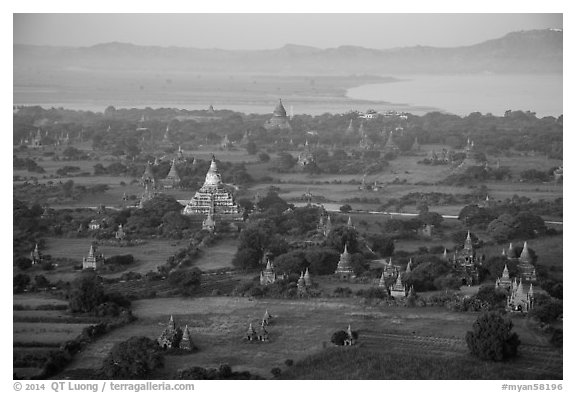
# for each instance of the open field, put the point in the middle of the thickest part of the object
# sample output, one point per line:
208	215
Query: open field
33	300
218	255
147	256
46	332
300	328
426	358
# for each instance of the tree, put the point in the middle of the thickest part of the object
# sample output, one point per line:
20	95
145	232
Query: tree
491	338
502	228
135	358
548	310
21	281
430	218
346	208
263	157
23	263
342	235
339	337
291	262
187	282
251	148
474	215
86	293
528	225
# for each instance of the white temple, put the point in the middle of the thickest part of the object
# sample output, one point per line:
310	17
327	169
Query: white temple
213	196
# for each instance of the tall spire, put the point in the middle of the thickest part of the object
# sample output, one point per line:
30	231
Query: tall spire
213	178
525	254
280	111
468	242
409	266
349	223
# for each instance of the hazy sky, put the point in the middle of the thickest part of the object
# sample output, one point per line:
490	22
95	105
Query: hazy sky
267	31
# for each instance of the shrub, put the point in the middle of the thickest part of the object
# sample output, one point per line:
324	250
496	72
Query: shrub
134	358
276	372
24	263
492	339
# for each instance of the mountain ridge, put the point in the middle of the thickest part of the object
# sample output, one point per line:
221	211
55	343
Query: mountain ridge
530	51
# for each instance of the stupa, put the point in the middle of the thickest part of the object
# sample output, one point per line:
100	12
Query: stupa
279	119
213	195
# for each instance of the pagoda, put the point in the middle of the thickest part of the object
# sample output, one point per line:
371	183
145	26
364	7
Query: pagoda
391	145
225	144
92	261
520	299
186	342
268	276
172	180
398	290
35	255
390	271
504	281
169	335
307	278
148	176
213	196
525	266
147	195
307	156
279	119
344	270
120	234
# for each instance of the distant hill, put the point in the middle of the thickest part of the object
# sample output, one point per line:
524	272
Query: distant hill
536	51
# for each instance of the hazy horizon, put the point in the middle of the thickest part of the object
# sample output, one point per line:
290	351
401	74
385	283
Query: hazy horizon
253	31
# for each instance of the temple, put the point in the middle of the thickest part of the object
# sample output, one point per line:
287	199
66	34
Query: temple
225	144
466	263
306	157
120	234
268	275
279	119
391	146
398	289
525	267
172	180
504	282
35	255
148	176
390	271
212	196
147	195
324	224
186	342
92	261
520	300
169	336
344	269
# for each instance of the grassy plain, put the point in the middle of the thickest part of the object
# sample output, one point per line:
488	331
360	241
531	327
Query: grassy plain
300	328
218	255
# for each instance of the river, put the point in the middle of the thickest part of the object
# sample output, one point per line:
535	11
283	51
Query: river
464	94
